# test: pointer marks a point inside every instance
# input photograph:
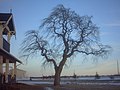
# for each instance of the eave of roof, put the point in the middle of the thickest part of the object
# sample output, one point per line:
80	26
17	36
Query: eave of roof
7	18
7	55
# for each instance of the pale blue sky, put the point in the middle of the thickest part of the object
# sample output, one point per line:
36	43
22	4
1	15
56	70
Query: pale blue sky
28	15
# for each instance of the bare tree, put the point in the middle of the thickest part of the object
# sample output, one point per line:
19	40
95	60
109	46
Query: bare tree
62	35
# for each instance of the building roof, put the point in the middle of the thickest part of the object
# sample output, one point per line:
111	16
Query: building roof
7	55
6	19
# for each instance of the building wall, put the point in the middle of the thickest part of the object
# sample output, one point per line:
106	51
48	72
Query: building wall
19	73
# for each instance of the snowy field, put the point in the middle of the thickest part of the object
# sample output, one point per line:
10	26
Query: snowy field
82	83
82	80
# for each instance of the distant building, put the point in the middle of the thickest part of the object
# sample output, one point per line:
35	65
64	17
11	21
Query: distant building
19	73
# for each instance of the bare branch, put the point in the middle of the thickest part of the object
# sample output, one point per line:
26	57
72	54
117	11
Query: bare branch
64	34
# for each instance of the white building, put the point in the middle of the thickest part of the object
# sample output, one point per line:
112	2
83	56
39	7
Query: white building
7	30
20	74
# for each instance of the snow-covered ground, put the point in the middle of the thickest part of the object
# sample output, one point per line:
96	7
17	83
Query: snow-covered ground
93	78
69	82
34	82
81	80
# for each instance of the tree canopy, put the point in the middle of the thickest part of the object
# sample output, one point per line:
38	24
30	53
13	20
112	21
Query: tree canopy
62	35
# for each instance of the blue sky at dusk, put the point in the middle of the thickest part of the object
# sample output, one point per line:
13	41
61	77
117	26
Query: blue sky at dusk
28	15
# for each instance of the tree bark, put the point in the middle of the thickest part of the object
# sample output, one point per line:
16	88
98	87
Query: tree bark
58	71
57	77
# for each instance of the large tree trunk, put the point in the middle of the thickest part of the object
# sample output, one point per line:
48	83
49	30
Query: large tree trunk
57	77
58	71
